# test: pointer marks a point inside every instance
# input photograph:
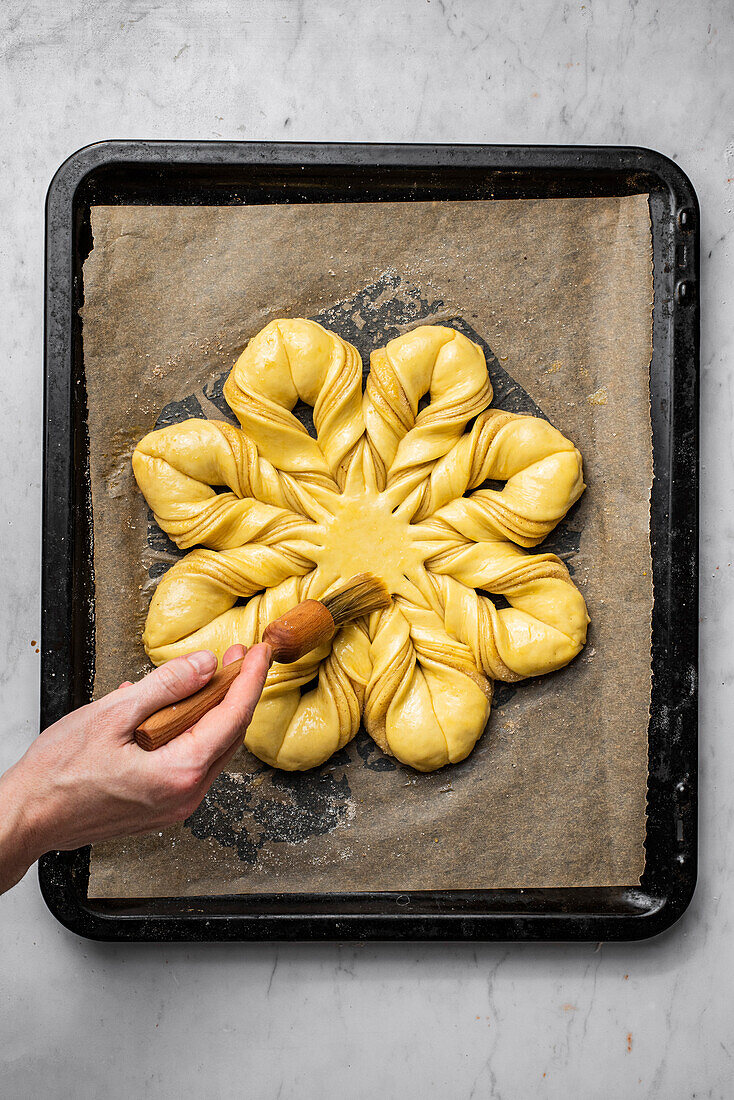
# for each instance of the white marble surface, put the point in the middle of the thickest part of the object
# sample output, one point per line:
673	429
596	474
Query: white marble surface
510	1021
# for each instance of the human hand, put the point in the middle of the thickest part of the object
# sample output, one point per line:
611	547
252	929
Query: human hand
85	779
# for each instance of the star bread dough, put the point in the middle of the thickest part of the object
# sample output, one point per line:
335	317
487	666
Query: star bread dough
383	487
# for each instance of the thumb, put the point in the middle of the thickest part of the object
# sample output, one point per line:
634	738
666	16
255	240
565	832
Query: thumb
174	680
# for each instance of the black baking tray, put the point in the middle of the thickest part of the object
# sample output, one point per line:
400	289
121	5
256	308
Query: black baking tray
221	173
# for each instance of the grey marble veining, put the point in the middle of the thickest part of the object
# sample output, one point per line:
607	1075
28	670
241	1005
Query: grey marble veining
508	1021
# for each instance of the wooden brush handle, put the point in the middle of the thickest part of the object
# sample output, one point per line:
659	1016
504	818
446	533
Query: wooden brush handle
300	630
294	634
171	721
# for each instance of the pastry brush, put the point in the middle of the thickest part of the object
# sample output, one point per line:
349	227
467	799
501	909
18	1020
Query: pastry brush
311	624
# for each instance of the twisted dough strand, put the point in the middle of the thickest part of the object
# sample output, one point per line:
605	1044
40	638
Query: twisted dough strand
429	359
292	360
202	586
542	470
176	466
426	703
543	629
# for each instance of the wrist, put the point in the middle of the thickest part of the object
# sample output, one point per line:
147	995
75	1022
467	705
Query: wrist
21	832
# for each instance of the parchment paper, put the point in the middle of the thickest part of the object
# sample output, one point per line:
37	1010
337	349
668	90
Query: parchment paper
560	292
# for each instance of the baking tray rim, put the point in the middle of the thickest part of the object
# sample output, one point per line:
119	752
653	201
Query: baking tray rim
639	913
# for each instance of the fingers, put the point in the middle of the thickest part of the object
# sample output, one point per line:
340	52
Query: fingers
173	681
234	653
221	729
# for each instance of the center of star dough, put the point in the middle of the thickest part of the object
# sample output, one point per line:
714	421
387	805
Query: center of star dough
363	536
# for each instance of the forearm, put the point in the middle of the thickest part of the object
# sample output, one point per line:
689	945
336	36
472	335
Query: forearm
20	836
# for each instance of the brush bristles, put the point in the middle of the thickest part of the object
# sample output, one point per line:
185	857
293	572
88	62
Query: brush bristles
362	595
